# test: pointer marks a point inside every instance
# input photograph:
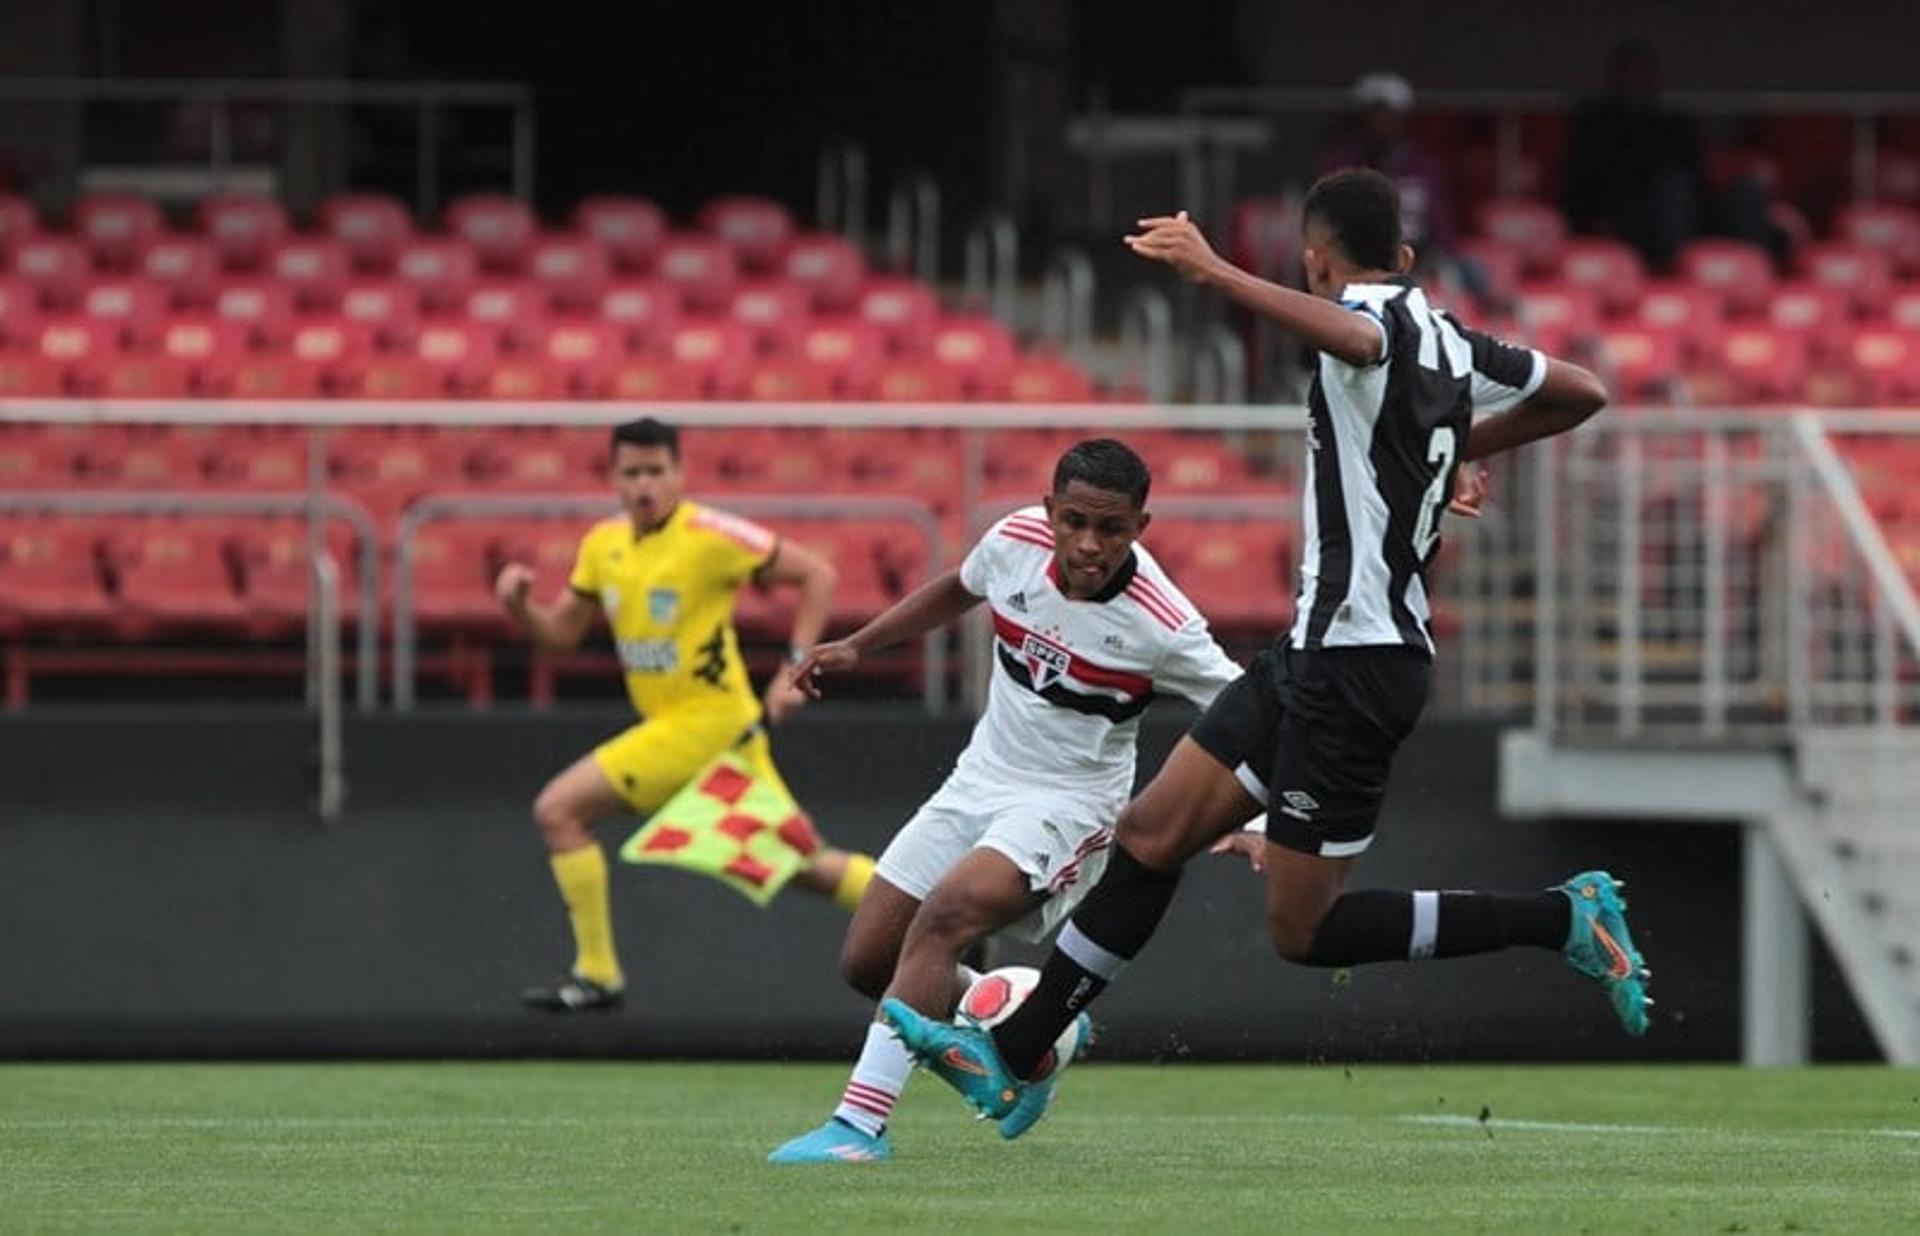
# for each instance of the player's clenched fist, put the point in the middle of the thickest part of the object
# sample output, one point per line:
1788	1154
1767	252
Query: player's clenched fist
1174	239
513	584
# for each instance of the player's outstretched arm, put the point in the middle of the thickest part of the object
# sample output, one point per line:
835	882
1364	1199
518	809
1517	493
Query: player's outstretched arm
556	628
816	578
1174	240
1567	396
932	605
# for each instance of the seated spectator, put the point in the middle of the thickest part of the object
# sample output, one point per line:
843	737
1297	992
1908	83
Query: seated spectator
1634	166
1377	138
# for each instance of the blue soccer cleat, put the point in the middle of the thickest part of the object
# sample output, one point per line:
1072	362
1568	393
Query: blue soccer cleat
961	1056
834	1142
1037	1096
1600	947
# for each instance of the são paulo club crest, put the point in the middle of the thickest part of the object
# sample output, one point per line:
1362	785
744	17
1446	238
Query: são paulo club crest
1045	661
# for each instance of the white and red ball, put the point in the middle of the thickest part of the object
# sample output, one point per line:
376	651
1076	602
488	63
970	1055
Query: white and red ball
993	997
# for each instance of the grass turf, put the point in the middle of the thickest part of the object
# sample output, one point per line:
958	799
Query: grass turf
682	1147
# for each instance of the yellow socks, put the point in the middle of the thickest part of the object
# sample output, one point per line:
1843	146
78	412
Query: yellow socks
582	877
853	882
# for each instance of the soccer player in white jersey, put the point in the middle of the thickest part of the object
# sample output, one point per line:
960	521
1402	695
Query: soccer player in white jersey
1312	728
1087	631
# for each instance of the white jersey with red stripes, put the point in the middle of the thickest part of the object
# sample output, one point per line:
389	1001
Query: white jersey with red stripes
1071	678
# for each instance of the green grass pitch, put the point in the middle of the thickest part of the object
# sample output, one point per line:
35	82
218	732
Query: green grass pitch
681	1147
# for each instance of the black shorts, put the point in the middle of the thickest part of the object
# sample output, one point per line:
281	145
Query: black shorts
1312	735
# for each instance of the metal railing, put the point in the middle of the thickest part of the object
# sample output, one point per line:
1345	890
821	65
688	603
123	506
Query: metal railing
428	510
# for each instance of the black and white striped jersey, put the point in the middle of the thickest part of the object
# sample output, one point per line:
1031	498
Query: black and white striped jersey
1383	440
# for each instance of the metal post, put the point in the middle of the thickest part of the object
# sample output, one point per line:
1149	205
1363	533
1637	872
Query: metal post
1628	584
1066	299
1219	367
1775	991
1886	658
316	546
1146	331
913	228
1713	518
1799	593
1546	586
326	586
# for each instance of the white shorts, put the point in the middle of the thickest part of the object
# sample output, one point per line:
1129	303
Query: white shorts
1058	841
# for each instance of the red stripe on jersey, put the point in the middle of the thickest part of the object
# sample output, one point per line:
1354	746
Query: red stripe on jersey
1030	523
1011	535
1159	594
742	532
1161	612
1078	667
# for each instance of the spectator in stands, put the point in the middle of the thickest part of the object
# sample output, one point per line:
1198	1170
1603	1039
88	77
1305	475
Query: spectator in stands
1633	163
1376	137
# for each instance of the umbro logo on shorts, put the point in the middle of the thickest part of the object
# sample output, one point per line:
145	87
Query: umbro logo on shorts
1299	804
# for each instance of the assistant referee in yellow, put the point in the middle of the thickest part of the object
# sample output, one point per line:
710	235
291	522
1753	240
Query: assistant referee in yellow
665	575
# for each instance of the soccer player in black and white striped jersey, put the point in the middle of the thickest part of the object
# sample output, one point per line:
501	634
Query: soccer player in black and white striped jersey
1308	734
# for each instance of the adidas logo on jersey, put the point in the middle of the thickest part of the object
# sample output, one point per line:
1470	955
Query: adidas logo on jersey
1017	602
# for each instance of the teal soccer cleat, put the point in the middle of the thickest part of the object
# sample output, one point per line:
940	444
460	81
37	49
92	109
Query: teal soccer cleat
960	1056
834	1142
1600	947
1036	1096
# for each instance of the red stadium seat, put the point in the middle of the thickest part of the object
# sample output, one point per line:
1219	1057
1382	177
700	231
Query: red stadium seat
1888	359
53	568
337	348
1554	314
257	458
1817	312
146	376
1861	273
462	351
131	305
57	266
244	228
515	309
538	459
81	347
454	564
315	267
188	267
1534	230
1237	574
788	381
175	571
372	226
1640	361
829	267
18	220
703	268
773	311
1892	229
1181	462
643	310
404	377
854	549
585	352
270	377
264	306
388	306
441	267
1752	364
758	228
1903	307
631	229
1045	379
499	228
19	310
1687	311
388	467
33	458
904	309
24	376
274	572
1741	274
143	456
645	378
914	381
976	349
208	346
1264	234
525	379
721	349
116	226
572	269
1609	269
846	350
1499	265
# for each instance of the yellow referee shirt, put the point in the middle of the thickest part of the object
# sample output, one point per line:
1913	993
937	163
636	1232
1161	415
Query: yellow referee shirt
668	596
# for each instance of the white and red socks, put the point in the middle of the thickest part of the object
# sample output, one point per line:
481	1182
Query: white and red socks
878	1078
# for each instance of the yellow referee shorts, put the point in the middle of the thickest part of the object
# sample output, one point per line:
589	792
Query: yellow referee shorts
649	763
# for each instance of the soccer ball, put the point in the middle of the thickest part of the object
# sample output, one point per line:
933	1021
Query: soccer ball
993	997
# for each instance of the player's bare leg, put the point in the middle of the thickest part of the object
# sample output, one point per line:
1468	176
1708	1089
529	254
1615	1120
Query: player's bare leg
872	947
981	894
565	812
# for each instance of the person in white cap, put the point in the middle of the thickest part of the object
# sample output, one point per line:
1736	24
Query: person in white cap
1377	138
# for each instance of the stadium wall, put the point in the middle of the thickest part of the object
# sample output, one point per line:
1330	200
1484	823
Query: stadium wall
165	891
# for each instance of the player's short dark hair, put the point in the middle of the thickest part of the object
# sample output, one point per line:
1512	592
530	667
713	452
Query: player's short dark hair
647	432
1362	209
1104	463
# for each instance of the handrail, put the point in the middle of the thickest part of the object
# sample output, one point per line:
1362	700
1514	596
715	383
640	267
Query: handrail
991	258
840	187
1146	328
1862	528
152	502
1066	298
1220	366
913	227
333	785
452	506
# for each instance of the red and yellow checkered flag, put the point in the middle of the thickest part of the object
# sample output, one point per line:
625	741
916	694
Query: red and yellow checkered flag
744	831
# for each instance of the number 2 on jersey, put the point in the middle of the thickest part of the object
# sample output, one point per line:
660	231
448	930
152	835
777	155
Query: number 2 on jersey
1426	530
